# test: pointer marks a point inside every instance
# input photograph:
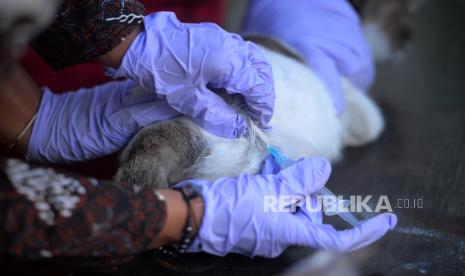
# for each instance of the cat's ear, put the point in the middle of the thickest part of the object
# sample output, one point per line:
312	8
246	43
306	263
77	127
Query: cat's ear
414	6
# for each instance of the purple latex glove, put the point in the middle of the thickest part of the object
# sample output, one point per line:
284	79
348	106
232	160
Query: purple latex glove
235	220
92	122
180	61
327	34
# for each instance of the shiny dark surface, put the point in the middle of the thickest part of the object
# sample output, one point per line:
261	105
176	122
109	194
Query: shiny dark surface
421	155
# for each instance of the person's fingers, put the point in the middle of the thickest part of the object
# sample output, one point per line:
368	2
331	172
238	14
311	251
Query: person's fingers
269	166
133	93
305	177
250	75
125	122
311	210
326	237
364	78
260	98
209	110
326	68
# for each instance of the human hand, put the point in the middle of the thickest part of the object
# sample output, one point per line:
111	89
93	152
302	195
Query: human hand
327	34
235	219
180	62
92	122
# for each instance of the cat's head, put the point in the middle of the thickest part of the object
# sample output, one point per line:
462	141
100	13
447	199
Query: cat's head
387	24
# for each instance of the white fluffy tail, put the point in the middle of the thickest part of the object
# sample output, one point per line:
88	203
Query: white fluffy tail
362	120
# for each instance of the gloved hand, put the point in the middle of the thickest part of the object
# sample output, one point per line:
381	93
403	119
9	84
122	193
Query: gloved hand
180	62
234	218
92	122
327	34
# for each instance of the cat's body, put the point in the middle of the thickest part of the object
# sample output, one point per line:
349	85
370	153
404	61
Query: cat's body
304	124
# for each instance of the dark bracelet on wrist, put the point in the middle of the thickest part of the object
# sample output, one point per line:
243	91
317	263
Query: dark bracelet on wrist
188	192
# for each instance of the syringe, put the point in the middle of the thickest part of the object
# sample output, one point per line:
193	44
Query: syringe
284	162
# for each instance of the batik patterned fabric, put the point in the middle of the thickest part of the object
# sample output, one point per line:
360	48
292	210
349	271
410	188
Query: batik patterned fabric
45	214
86	29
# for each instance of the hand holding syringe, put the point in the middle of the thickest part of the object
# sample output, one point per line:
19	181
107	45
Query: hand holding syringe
285	162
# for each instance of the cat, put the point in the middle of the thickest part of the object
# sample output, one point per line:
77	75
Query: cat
387	25
304	124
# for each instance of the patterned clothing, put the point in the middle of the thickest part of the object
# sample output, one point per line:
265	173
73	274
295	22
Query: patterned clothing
45	213
86	29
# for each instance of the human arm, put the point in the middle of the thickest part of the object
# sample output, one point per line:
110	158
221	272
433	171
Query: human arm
19	99
78	140
186	60
239	67
95	224
327	34
176	216
78	217
77	125
64	216
91	122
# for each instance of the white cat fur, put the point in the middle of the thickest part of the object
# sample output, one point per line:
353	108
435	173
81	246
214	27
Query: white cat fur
304	123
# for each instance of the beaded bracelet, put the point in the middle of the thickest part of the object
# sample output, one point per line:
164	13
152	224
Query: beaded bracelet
188	192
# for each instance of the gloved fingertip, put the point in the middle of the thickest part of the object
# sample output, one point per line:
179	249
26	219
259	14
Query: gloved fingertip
266	128
320	166
387	221
323	167
268	166
240	128
225	128
392	220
